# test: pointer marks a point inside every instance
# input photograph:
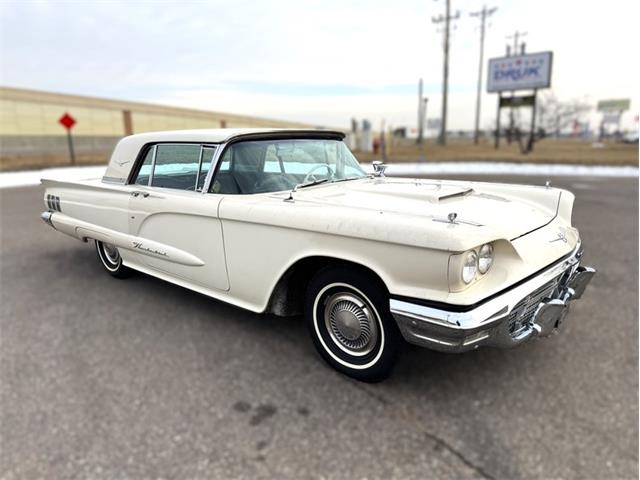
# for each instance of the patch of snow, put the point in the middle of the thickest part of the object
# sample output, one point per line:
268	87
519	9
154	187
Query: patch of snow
493	168
32	177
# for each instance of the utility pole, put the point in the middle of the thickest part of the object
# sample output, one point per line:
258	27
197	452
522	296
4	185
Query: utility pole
516	36
442	139
425	102
483	14
420	114
383	141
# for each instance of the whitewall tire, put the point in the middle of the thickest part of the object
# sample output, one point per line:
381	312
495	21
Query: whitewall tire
111	260
347	314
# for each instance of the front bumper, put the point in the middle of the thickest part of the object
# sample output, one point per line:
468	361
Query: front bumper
536	307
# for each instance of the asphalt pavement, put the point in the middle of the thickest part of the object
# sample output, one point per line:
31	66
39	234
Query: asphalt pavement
115	379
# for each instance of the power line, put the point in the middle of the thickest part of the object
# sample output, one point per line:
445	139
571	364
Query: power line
516	36
442	138
483	14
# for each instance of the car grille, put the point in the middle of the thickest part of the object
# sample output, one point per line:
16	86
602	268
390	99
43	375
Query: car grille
521	315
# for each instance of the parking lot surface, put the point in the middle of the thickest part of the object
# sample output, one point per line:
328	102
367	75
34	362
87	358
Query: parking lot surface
138	378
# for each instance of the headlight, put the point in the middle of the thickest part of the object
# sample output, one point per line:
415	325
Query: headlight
485	258
470	266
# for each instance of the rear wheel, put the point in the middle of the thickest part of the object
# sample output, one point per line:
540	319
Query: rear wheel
347	313
111	260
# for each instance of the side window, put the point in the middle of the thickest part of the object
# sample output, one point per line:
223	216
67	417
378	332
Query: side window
223	182
145	169
225	161
176	166
240	169
183	167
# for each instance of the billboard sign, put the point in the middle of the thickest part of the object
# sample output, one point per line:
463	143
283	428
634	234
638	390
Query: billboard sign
520	72
618	105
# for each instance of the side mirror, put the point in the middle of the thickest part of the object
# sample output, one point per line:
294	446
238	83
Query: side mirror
379	168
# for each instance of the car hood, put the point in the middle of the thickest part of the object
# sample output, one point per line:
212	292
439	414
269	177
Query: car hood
407	211
507	210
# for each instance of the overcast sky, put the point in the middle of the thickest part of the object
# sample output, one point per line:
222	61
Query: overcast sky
321	62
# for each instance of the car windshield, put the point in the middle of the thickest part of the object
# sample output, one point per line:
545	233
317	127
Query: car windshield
276	165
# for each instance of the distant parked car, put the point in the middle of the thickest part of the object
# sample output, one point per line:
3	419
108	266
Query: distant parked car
630	137
288	222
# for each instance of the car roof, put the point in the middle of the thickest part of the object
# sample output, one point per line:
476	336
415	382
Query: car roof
128	148
221	135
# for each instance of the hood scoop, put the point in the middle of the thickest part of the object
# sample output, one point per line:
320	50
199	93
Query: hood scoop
461	193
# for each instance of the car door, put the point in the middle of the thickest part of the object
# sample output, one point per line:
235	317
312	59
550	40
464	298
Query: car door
177	226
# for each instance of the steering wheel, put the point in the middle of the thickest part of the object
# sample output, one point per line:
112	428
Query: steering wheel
315	179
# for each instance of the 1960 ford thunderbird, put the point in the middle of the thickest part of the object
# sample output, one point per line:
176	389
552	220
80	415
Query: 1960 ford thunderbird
287	222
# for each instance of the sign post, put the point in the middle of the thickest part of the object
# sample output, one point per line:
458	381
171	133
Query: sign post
67	121
519	72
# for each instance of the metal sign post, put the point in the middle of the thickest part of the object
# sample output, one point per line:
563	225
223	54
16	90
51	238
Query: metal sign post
67	121
533	122
497	141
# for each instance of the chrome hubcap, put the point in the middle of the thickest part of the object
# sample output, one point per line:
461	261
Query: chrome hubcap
351	323
111	253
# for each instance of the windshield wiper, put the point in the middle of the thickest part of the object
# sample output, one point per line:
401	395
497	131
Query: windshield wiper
303	185
310	184
349	178
318	182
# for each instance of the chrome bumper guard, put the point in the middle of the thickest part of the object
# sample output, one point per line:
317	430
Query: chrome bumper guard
535	308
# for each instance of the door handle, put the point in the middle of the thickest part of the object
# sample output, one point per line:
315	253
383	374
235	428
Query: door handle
138	193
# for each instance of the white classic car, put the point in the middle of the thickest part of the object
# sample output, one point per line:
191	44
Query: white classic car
287	222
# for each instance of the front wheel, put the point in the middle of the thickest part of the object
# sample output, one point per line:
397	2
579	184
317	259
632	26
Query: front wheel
111	260
347	314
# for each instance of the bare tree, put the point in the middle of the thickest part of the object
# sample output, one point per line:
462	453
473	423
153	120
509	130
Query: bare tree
554	115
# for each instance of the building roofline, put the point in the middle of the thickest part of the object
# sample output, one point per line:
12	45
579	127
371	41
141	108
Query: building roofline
40	96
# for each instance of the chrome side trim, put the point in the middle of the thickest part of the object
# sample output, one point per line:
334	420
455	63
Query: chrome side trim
114	180
84	230
455	221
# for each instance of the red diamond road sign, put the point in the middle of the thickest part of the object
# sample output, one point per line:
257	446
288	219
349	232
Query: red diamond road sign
67	121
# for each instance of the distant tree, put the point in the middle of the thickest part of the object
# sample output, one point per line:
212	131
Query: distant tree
552	117
555	115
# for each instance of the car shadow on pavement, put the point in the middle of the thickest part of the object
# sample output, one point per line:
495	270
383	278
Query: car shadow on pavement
415	365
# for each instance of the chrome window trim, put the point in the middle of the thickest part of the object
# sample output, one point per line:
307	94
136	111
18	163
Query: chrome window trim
216	148
153	165
220	147
195	187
